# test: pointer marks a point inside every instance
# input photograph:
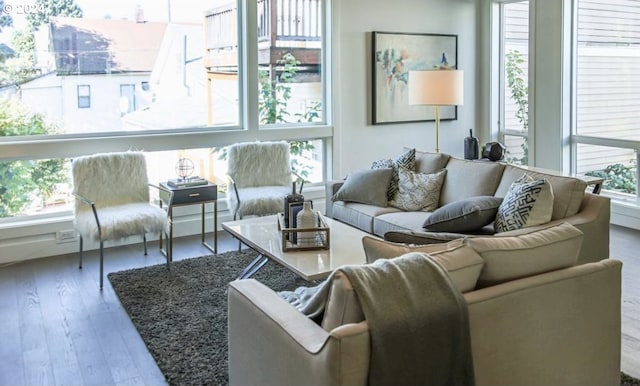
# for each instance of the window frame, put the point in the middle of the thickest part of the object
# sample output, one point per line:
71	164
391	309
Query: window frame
248	129
131	104
498	112
585	139
86	98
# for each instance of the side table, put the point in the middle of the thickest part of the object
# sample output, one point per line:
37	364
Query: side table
201	194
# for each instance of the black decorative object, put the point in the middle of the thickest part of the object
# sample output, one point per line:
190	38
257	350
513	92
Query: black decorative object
291	199
494	151
471	150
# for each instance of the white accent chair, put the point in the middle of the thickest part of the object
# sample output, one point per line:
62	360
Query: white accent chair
260	176
113	200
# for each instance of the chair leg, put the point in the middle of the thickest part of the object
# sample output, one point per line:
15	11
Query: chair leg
80	254
101	264
168	249
144	241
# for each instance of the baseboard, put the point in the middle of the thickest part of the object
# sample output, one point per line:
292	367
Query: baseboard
33	240
625	214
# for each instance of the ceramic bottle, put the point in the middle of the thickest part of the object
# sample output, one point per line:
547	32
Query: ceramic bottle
306	218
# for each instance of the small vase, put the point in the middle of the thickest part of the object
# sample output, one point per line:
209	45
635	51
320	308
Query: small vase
306	218
471	150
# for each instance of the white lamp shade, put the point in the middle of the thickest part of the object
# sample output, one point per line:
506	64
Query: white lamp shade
436	87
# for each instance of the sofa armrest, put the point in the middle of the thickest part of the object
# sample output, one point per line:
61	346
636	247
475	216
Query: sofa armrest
331	188
592	219
272	343
557	328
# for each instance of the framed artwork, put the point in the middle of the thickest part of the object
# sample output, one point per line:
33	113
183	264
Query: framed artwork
394	55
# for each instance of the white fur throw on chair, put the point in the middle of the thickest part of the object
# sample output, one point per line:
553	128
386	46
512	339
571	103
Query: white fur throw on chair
261	172
118	184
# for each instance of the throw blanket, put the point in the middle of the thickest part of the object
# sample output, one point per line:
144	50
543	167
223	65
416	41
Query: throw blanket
417	318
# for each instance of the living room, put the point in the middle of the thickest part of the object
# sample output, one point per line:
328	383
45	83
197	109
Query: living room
352	142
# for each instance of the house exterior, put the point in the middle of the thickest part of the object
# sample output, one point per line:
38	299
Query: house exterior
177	82
98	70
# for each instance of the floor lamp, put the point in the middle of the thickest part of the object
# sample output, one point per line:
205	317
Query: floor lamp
436	88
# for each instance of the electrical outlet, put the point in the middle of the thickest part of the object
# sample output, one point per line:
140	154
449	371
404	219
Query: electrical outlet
65	236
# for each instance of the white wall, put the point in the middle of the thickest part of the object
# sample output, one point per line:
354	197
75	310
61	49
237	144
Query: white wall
356	141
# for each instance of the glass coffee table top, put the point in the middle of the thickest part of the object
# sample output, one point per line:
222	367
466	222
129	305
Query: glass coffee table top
263	236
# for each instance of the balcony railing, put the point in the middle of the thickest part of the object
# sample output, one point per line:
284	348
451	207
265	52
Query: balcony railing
294	21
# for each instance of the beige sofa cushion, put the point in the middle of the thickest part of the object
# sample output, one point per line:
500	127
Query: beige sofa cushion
342	305
470	178
511	257
462	262
427	162
568	192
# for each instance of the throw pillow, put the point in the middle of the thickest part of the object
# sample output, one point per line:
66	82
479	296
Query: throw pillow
462	263
418	191
365	187
465	215
405	160
511	257
528	202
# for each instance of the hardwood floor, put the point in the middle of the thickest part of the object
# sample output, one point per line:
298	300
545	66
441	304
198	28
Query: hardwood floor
57	328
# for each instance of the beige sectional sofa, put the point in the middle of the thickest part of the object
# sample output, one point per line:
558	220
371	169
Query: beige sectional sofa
534	317
464	179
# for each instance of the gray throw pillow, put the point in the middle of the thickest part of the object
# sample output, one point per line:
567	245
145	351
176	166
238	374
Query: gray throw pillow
365	187
464	215
405	160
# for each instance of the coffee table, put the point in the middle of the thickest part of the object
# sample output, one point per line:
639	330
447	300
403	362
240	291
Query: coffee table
262	235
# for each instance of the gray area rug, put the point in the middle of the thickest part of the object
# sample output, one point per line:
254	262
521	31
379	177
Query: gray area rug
182	314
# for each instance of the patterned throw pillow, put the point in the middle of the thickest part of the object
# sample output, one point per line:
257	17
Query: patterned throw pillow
418	191
528	202
405	160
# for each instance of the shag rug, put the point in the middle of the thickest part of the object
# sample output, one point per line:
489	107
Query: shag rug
181	314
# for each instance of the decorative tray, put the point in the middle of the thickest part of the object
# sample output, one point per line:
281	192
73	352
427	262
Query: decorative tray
299	239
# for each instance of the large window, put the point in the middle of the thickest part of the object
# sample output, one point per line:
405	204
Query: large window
163	79
513	43
607	96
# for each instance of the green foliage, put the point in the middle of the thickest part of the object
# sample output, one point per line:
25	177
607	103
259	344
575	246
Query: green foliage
617	177
20	68
48	8
274	95
24	42
517	84
5	18
23	181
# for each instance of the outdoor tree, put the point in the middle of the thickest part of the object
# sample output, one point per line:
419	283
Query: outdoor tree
21	67
49	8
5	17
274	96
516	82
23	181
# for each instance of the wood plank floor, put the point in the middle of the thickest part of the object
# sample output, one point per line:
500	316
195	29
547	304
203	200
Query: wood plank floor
57	328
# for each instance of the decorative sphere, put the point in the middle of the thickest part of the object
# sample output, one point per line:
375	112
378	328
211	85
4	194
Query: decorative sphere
184	167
